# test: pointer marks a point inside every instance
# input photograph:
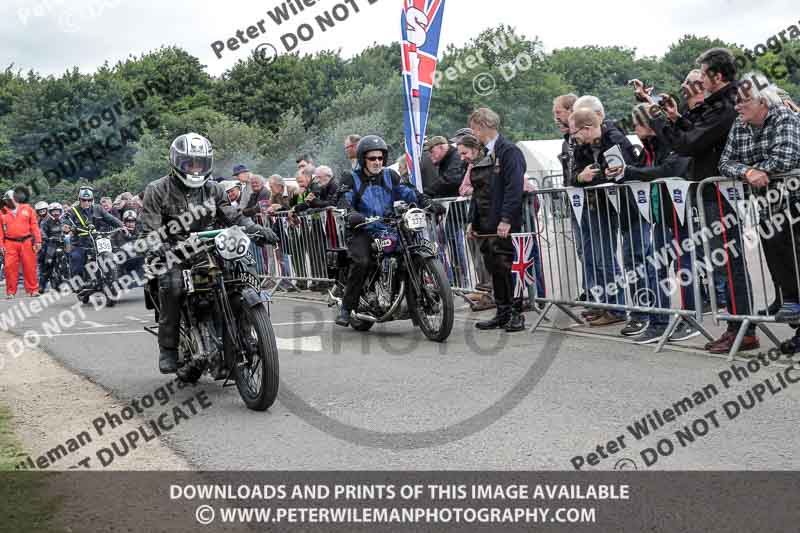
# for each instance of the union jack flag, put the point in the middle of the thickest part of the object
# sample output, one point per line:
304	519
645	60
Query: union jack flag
421	24
523	270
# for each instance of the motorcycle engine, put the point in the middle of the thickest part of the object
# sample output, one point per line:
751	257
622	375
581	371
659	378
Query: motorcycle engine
383	286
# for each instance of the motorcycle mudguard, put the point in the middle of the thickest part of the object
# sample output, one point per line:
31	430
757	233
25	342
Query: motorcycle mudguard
252	298
424	252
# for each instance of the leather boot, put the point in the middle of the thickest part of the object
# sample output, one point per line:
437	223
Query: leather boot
499	321
344	318
168	361
516	323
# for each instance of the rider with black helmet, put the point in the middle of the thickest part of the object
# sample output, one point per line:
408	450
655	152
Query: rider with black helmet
184	201
369	190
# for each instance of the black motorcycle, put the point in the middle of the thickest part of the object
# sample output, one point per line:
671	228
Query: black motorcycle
58	262
225	326
408	280
100	273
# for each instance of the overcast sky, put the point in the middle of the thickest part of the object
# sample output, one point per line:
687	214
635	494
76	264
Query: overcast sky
51	36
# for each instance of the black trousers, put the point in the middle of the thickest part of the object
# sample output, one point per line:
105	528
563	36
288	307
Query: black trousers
781	241
170	297
498	256
360	252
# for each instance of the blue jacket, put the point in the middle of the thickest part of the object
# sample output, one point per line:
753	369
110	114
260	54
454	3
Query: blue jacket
506	188
374	195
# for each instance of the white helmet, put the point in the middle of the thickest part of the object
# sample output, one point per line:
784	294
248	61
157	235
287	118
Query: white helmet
55	206
40	206
130	214
192	159
230	185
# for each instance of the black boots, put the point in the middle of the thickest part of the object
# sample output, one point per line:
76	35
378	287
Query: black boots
344	318
168	361
501	318
509	318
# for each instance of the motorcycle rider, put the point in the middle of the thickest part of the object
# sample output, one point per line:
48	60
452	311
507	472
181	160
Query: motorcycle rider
126	242
186	190
370	190
52	235
80	218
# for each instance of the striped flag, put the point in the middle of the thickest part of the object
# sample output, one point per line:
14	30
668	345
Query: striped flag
421	23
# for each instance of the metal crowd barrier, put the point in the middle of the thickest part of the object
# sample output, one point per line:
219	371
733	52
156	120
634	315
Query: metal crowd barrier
612	253
305	242
751	240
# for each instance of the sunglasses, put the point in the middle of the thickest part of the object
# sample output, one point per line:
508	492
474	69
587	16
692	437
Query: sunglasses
375	158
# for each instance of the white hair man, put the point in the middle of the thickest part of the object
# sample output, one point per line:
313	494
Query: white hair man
764	143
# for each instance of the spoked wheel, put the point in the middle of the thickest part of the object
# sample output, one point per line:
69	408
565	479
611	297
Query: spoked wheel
435	316
257	374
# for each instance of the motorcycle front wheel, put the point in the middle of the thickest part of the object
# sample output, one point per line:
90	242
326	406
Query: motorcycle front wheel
257	374
435	316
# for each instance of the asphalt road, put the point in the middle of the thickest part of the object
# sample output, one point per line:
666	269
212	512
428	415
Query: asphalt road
388	399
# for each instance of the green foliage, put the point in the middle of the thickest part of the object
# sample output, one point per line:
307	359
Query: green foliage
265	115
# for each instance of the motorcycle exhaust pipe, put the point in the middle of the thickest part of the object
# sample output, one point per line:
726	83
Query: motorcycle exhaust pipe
366	318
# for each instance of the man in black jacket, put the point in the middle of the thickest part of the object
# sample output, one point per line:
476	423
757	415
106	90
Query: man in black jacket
442	169
702	135
504	218
657	160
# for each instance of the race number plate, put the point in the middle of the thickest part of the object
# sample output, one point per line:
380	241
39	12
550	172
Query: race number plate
232	243
103	246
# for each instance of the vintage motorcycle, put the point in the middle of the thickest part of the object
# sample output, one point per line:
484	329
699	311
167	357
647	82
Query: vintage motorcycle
101	272
58	261
408	280
225	326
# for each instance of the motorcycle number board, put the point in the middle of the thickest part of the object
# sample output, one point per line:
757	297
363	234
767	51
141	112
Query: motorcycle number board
232	243
103	245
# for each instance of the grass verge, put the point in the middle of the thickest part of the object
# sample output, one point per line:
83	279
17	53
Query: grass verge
25	505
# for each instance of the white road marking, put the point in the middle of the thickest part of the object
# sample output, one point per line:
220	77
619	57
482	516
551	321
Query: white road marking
135	319
299	344
93	324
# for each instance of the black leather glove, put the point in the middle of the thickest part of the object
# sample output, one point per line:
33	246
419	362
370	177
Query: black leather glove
356	218
266	234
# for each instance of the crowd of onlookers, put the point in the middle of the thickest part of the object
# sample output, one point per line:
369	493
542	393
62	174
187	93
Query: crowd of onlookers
741	127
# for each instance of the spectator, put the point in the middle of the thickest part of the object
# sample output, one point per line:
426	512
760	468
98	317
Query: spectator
594	136
655	161
763	143
702	134
329	188
503	217
476	185
242	174
562	109
303	161
234	191
258	197
442	177
350	145
280	194
20	240
106	203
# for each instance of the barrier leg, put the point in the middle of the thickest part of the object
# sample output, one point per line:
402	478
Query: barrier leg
763	327
699	327
540	319
674	320
739	338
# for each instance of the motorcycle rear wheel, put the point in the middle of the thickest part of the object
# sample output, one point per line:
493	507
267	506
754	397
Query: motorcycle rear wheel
258	375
